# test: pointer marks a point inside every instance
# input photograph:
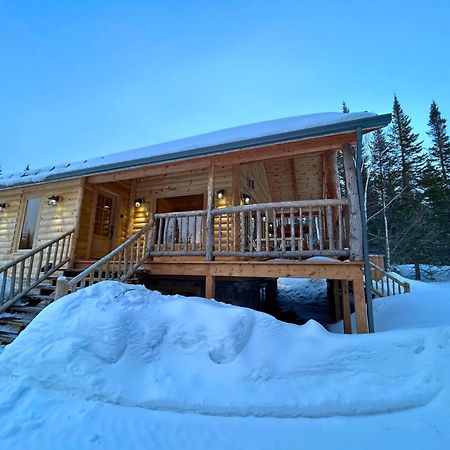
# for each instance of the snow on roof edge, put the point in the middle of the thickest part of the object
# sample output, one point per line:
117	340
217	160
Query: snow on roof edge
291	128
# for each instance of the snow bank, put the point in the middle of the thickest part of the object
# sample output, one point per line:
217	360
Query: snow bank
124	345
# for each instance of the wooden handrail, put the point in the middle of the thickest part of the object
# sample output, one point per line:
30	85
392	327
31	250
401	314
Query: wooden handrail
26	274
380	282
34	251
286	205
119	264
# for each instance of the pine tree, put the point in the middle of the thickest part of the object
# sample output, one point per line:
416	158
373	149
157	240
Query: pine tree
379	193
345	108
407	158
440	150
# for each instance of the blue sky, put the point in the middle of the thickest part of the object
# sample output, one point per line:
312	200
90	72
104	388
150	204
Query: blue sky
87	78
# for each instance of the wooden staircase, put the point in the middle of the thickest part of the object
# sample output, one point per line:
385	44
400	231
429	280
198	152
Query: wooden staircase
26	288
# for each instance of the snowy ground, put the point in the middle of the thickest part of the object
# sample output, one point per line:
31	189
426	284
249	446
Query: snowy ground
117	367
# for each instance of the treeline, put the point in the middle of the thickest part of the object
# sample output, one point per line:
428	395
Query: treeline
407	189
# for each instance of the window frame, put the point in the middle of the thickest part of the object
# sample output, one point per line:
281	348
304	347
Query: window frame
21	218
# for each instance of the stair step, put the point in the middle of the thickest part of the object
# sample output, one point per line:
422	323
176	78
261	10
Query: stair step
18	322
26	309
6	337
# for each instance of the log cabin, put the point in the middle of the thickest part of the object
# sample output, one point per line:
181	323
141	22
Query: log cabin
254	202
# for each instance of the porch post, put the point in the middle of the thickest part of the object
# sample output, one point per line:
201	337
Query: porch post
365	243
209	216
356	250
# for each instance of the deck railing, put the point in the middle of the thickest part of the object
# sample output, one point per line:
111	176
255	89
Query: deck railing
20	276
385	284
118	265
285	229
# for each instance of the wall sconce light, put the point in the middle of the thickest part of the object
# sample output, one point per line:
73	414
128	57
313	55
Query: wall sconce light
3	206
246	199
138	202
53	200
220	194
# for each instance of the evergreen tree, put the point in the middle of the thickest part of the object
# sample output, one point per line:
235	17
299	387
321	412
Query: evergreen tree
345	108
440	149
407	158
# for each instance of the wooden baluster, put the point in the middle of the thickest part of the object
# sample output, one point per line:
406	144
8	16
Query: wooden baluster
283	232
243	232
300	221
166	233
47	261
228	232
292	220
91	278
160	230
267	231
61	253
125	261
234	230
320	229
274	218
310	234
12	284
3	288
388	290
186	239
39	265
55	256
21	275
219	223
174	229
258	230
330	228
30	269
340	230
194	235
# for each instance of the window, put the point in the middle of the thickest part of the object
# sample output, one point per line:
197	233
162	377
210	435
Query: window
103	212
30	218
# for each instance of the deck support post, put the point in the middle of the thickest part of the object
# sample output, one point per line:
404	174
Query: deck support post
209	215
62	287
360	306
210	286
346	311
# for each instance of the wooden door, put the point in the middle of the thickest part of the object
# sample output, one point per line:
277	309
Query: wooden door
104	222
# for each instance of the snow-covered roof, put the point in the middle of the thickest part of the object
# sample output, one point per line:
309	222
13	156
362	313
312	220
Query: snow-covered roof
244	136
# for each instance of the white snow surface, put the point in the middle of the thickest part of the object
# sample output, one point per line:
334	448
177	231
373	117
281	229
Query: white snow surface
117	366
226	136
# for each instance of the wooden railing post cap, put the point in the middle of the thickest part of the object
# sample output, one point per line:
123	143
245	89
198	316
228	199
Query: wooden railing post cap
62	287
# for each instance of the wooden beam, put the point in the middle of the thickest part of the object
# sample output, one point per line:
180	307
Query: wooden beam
261	269
356	248
346	311
210	286
238	156
359	299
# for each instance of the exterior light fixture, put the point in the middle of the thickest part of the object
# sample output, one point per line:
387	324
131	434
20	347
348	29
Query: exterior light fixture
246	199
138	202
3	206
53	200
220	194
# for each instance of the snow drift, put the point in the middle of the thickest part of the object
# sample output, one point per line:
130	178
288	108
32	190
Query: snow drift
125	345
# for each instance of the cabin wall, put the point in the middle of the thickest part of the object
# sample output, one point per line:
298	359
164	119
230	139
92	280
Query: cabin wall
191	182
254	182
52	221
